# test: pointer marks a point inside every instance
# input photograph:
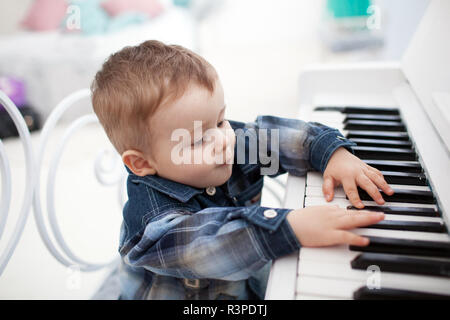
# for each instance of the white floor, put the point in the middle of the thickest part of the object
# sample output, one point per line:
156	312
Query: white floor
258	48
88	214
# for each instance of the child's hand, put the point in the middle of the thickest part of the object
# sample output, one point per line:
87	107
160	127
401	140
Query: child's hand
346	169
320	226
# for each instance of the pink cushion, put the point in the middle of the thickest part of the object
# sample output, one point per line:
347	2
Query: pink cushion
150	7
45	15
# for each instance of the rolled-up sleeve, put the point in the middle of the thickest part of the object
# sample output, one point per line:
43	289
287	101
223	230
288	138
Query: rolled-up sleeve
227	243
299	146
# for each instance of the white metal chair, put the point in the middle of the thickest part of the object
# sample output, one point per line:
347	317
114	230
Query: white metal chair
65	256
6	181
106	176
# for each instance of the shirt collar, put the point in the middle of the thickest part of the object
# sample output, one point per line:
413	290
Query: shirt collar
177	190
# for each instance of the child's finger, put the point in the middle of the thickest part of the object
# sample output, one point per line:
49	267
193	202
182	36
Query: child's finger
328	188
352	193
377	177
360	219
346	237
365	183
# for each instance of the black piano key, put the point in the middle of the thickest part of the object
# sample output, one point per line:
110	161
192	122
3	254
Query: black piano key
357	109
374	125
370	110
405	247
402	195
365	293
401	264
405	178
330	108
377	135
377	117
384	153
423	226
386	165
407	211
382	143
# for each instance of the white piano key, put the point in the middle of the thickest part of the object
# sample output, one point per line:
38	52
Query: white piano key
328	117
314	178
312	191
336	254
330	113
401	234
396	217
343	203
313	297
340	254
316	191
344	272
323	287
409	187
329	120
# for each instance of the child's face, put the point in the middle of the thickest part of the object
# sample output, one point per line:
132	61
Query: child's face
208	150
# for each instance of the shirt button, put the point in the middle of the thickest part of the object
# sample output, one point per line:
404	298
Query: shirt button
211	191
269	214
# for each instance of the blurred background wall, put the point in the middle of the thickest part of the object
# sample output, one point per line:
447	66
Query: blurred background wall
260	43
11	13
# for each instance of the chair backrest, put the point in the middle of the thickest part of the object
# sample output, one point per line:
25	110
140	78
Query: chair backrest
106	176
6	181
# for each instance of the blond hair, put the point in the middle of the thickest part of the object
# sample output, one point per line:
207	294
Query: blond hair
134	82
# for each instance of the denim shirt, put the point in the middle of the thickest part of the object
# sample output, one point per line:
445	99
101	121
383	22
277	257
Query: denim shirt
180	242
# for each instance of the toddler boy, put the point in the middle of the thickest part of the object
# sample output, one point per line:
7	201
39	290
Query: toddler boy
193	227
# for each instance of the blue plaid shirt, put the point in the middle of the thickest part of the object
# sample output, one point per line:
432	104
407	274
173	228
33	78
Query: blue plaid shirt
179	242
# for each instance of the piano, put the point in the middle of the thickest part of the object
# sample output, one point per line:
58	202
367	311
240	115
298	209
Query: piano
398	114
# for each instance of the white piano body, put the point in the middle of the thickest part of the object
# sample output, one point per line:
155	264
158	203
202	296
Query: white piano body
419	86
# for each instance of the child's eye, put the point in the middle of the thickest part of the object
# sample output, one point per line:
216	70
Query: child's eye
220	123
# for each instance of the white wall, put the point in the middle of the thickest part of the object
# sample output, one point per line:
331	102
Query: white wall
11	13
400	19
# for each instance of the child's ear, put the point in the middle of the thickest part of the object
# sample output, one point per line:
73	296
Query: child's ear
137	163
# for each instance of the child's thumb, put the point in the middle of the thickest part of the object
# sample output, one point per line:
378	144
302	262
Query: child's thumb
328	188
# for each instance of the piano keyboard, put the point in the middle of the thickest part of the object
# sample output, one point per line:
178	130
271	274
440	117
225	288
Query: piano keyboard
409	252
